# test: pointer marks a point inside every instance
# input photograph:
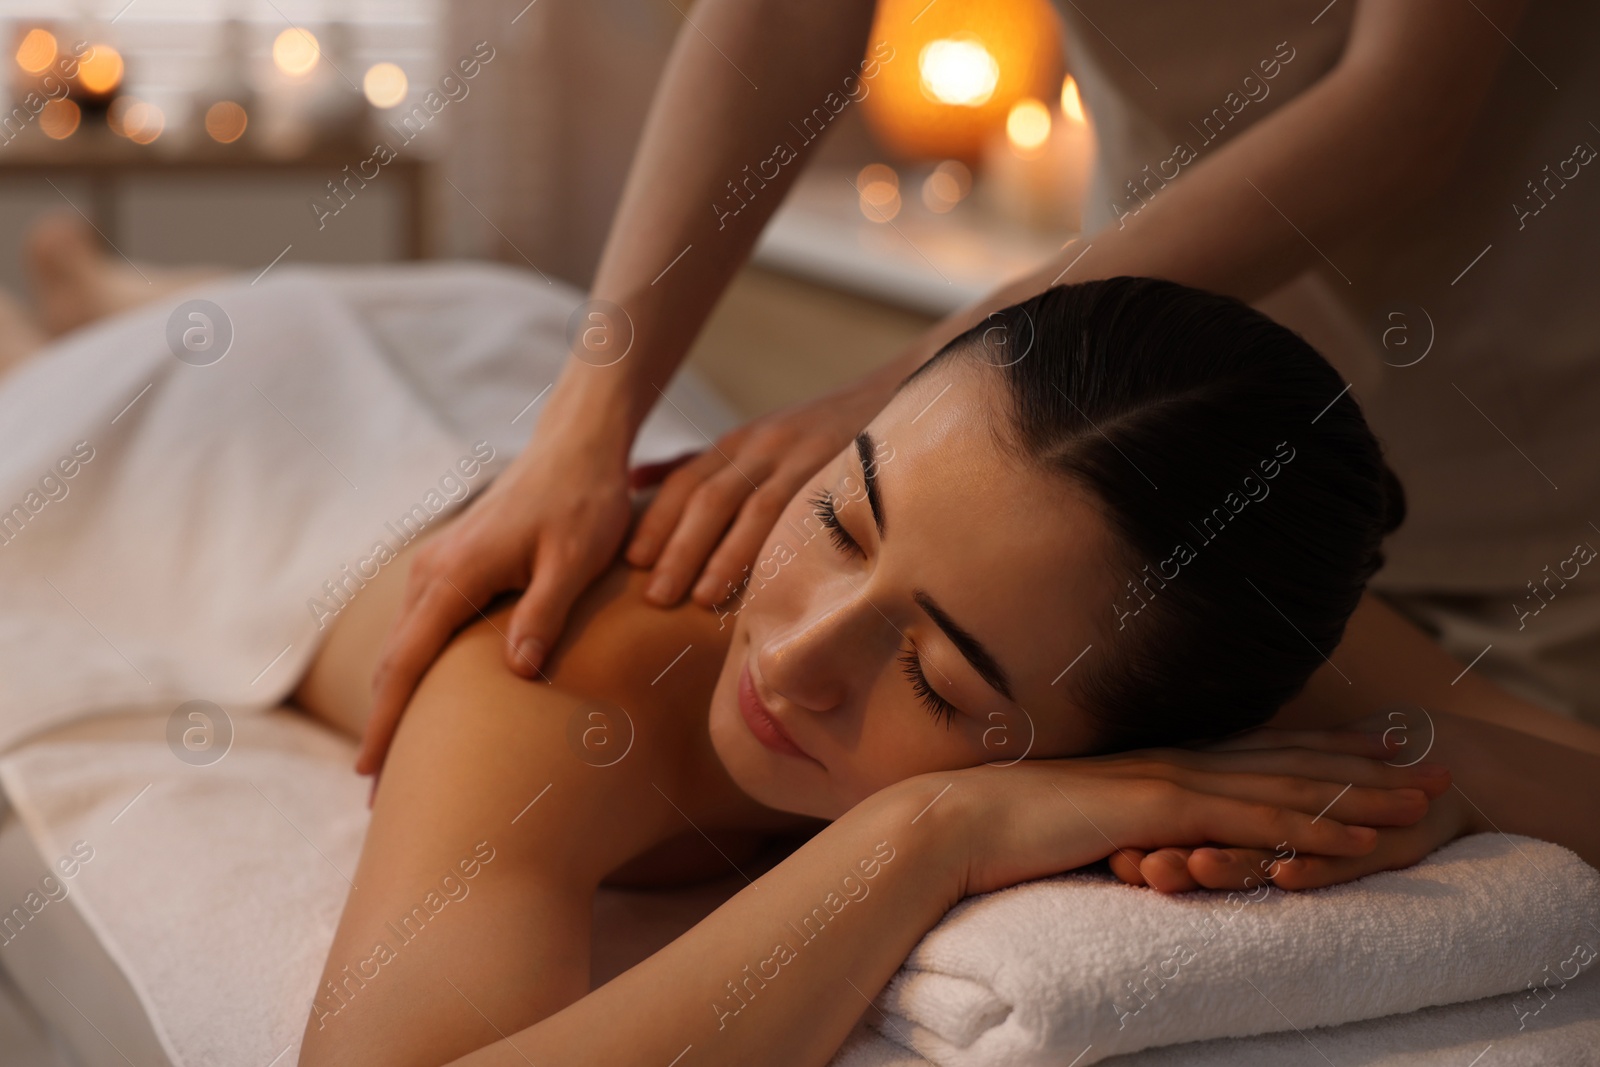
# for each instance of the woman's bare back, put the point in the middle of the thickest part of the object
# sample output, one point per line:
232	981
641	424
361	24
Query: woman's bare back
636	667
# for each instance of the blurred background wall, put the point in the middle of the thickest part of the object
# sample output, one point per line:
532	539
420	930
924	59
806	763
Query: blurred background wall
251	132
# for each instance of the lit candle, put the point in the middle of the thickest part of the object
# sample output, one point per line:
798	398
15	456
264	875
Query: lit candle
1036	169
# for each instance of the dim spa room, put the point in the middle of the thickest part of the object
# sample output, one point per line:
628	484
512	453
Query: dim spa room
705	533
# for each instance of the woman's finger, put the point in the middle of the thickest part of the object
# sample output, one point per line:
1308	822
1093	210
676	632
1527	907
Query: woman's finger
1431	778
1360	805
1166	870
710	510
1235	868
1252	824
1124	863
661	516
1393	850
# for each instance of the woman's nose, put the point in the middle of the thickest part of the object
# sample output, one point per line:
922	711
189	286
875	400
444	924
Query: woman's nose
812	661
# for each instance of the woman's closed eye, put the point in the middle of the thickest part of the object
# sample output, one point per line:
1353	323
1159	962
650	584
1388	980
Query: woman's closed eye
823	507
941	709
938	706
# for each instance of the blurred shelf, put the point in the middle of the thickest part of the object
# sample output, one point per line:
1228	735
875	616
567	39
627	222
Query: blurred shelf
106	164
919	260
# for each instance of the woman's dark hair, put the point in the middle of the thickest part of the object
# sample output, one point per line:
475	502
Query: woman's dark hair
1249	498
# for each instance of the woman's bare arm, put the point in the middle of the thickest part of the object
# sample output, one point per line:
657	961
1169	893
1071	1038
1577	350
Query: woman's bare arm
780	973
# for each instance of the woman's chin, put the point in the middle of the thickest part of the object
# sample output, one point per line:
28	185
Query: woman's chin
754	768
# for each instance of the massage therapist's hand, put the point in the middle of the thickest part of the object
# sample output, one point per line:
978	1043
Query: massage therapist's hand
1039	817
746	480
549	524
1398	741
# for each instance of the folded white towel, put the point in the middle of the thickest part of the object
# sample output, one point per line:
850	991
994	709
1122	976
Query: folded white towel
1073	969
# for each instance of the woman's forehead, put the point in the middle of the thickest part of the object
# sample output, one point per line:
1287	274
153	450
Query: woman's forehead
1016	554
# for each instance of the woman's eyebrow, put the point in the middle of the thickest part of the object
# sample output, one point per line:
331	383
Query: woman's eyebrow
970	647
986	665
869	475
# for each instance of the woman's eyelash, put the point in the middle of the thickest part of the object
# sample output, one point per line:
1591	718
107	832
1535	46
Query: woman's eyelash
938	706
822	507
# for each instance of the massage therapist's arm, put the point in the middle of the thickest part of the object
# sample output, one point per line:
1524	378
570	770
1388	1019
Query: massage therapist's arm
1517	767
1385	659
736	79
1378	132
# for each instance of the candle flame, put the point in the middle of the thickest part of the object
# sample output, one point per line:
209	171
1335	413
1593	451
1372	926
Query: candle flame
1071	102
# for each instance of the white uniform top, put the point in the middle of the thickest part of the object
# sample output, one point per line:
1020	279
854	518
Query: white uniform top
1495	432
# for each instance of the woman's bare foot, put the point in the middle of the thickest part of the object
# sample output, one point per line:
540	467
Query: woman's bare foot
75	281
20	333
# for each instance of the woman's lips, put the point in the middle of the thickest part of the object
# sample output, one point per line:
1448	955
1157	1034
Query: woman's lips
760	720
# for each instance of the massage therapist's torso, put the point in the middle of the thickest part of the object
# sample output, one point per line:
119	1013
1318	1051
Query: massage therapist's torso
633	682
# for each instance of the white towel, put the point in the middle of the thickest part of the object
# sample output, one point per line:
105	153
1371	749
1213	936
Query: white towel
207	505
1080	967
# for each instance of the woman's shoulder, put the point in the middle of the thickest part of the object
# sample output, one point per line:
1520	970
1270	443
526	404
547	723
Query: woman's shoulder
630	681
618	645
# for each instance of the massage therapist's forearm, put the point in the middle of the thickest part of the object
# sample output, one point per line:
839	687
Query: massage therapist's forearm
1385	661
872	883
1375	134
720	107
1521	784
1523	769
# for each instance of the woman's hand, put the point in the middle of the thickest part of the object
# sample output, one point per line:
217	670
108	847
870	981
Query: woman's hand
1400	738
550	523
1039	817
746	479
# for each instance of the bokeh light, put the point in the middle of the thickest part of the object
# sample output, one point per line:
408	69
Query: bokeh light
879	187
117	111
226	121
958	71
296	51
1028	126
385	85
59	119
143	122
946	186
37	51
100	71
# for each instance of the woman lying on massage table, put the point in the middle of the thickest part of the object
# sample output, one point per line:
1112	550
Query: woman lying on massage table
1119	515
